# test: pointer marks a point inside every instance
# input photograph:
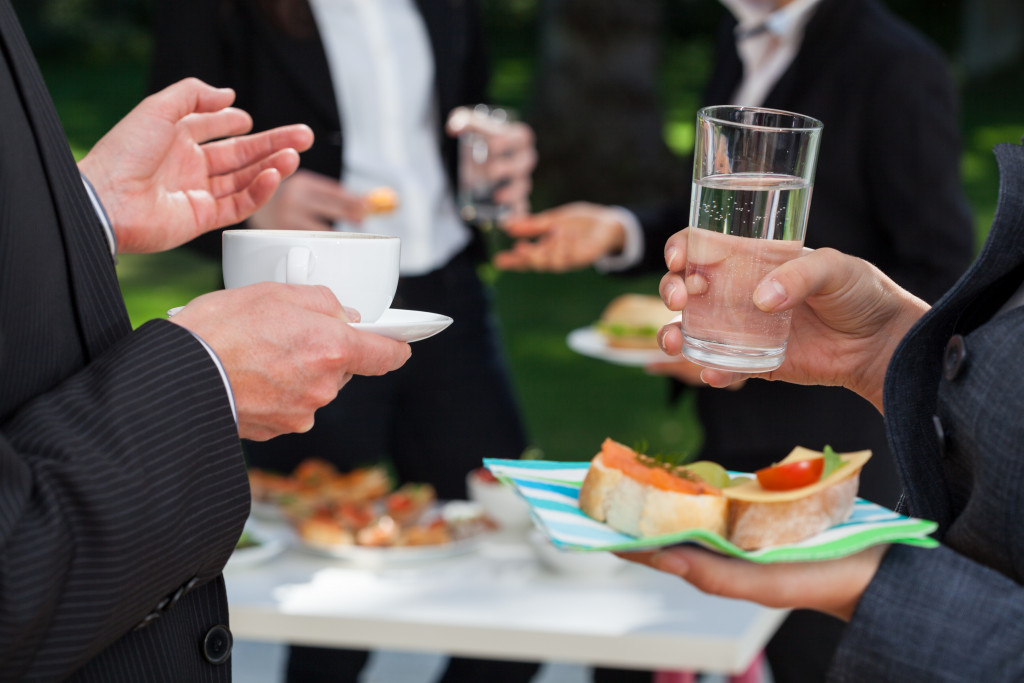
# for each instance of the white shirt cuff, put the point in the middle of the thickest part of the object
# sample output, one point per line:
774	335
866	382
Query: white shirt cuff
101	213
633	245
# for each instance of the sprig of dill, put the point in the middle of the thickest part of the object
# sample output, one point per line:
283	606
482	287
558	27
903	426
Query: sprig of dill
667	460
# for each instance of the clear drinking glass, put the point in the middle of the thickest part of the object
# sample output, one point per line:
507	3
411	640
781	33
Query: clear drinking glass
477	181
753	172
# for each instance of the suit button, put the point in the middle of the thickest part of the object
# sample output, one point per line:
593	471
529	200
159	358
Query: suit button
954	358
217	645
940	435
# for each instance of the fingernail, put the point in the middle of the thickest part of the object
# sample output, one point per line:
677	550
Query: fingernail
769	294
671	563
670	257
669	291
352	314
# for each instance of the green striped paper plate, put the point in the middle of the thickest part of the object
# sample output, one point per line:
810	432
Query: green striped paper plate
552	491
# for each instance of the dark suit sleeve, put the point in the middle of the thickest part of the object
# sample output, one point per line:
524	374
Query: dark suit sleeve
910	623
123	480
914	192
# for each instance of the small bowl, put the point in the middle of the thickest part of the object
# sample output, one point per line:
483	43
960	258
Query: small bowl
499	500
573	562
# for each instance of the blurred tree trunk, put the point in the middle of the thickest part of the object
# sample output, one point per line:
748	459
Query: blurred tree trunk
596	107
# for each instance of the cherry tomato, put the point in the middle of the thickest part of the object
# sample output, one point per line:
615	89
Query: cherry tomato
791	475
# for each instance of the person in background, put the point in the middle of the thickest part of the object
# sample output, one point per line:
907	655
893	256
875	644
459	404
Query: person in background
887	190
948	379
376	81
122	483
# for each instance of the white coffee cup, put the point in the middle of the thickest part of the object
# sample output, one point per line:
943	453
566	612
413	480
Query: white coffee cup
361	269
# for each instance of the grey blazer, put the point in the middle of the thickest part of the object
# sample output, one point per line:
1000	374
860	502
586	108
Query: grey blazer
954	402
122	486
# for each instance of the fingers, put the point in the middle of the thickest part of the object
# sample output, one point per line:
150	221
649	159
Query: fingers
516	191
285	161
532	225
233	154
227	122
818	272
683	370
235	207
832	586
187	96
376	354
287	350
675	252
513	139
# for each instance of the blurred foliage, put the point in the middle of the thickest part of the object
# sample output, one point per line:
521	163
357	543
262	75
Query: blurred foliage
87	30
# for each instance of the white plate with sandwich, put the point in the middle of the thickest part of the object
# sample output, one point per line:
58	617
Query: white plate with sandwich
627	333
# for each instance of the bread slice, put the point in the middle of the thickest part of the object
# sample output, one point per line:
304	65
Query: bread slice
759	518
639	509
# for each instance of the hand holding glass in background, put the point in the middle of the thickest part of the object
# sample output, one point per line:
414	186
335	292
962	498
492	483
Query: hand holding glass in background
496	158
752	177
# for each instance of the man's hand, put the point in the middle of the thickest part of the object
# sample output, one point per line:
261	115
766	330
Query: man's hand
833	587
562	239
173	168
310	201
848	318
287	350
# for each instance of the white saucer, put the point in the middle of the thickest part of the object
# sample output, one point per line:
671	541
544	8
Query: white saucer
407	326
588	341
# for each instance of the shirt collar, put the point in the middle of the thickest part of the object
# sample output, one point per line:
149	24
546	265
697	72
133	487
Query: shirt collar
755	17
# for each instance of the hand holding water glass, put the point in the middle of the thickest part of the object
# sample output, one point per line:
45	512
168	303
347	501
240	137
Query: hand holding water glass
496	158
752	177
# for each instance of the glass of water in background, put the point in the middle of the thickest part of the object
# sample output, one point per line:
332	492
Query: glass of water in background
477	179
753	172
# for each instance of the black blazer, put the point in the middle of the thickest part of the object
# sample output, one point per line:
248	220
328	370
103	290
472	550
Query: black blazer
282	79
122	488
955	412
887	189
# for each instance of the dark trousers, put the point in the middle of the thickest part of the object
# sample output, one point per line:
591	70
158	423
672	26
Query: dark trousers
433	420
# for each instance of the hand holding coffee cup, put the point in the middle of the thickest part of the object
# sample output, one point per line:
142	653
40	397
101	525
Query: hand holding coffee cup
286	351
361	269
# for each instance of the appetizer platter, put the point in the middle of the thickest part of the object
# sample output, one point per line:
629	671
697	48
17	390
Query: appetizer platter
361	516
803	508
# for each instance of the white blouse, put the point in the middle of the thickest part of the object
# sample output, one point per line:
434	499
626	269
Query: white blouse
382	68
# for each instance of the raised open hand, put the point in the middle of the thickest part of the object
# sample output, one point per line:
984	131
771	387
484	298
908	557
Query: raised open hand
175	167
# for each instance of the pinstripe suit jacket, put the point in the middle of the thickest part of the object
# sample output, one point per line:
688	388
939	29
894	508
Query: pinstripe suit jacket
954	402
122	487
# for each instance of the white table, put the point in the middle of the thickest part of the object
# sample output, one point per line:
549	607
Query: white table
497	602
